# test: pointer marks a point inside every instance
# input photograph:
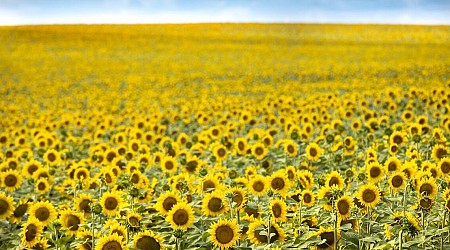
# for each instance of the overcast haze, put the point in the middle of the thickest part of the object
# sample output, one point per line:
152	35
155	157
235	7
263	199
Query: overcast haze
18	12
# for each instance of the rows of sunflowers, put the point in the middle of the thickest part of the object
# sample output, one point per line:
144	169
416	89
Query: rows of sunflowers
225	136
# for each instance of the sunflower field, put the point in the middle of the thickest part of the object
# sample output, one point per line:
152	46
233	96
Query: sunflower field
225	136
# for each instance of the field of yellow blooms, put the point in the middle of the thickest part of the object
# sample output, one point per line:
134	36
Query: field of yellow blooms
224	136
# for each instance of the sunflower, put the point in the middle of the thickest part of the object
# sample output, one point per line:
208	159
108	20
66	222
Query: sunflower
19	212
181	216
148	240
81	173
306	178
224	233
397	181
6	206
334	178
44	212
258	185
42	186
11	180
326	234
257	227
169	164
220	152
447	204
166	201
368	195
30	167
325	194
375	172
313	151
392	164
425	203
279	183
193	164
239	197
393	148
111	202
210	184
52	157
119	229
83	203
214	204
343	206
41	244
241	146
307	198
291	148
71	220
259	150
444	166
398	138
134	219
278	210
427	187
112	241
31	231
439	152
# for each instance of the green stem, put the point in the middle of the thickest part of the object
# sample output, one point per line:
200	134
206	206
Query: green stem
400	236
93	231
268	230
300	214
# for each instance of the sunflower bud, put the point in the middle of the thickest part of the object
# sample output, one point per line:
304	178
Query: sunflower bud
203	172
330	138
178	233
232	174
388	131
416	138
134	192
294	135
96	208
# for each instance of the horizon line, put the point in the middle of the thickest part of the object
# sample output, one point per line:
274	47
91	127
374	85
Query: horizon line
231	22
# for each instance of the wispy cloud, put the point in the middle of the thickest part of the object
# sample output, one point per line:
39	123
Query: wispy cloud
17	12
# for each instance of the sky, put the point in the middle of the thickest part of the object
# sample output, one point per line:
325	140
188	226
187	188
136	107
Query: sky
20	12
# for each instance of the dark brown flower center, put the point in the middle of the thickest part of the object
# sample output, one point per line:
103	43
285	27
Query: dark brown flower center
375	171
215	204
73	222
397	181
277	183
168	203
147	243
169	165
111	203
20	210
307	198
445	167
4	206
51	157
31	232
313	152
84	206
258	186
259	151
221	152
276	210
329	239
343	207
112	245
334	181
10	180
42	213
426	189
368	196
181	217
238	198
224	234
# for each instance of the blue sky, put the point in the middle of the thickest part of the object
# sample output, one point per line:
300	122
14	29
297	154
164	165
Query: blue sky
17	12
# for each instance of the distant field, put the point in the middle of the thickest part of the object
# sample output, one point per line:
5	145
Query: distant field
208	136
